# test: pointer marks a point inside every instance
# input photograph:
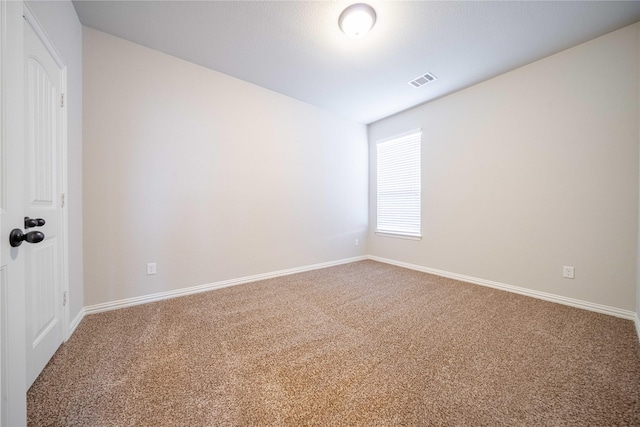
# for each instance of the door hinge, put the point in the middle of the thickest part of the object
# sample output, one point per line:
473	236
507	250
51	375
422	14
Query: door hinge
63	199
62	100
64	298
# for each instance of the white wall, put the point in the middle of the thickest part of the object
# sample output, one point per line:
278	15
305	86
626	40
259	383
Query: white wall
60	22
208	176
530	171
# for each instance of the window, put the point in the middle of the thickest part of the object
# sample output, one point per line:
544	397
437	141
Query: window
398	209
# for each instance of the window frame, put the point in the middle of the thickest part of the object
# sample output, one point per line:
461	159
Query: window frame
399	139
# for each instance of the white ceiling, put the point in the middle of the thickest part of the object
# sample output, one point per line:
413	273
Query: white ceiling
297	49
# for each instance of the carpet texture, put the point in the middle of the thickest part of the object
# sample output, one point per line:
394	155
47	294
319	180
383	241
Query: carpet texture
359	344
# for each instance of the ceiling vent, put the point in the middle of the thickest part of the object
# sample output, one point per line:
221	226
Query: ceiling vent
423	80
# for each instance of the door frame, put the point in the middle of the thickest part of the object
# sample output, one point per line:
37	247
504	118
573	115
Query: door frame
4	341
31	20
13	408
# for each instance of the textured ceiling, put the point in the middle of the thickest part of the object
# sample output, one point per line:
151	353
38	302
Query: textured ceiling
297	49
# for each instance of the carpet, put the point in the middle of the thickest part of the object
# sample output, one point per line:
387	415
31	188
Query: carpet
364	343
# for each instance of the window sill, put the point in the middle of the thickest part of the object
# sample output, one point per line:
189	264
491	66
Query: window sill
398	236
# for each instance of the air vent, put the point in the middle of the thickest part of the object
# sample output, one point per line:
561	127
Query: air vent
423	80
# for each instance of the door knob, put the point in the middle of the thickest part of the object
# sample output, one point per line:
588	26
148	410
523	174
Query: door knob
17	237
33	222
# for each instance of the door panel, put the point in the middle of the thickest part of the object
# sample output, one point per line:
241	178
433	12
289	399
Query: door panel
42	116
45	325
43	81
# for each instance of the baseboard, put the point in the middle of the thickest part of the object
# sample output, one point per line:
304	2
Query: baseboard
114	305
599	308
75	322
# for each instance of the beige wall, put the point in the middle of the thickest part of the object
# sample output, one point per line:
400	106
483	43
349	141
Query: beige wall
208	176
60	22
530	171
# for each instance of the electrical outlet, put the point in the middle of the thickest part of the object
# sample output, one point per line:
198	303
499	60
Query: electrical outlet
568	272
357	242
151	268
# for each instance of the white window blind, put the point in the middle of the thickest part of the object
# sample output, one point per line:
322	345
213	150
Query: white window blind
399	185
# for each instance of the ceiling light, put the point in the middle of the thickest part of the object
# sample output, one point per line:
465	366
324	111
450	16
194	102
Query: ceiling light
356	20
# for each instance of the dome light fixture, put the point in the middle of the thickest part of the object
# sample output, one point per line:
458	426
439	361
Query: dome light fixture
356	20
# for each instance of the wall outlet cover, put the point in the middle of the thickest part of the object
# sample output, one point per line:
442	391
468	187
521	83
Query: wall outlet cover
151	268
568	272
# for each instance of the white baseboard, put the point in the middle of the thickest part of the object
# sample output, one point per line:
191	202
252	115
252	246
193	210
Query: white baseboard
75	322
599	308
114	305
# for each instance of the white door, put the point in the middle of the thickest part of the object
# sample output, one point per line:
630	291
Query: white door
43	183
21	187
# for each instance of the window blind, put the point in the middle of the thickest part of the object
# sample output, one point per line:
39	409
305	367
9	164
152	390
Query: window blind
398	181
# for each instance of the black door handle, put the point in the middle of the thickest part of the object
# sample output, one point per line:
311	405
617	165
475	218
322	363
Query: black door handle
17	237
33	222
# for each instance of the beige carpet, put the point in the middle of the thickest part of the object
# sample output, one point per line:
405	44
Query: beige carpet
360	344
